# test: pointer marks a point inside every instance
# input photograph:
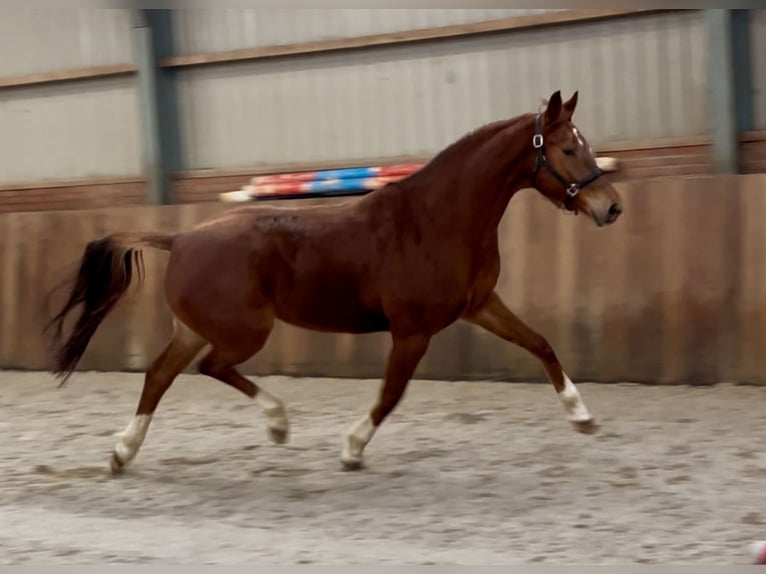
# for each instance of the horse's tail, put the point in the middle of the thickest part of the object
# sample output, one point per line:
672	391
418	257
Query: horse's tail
105	274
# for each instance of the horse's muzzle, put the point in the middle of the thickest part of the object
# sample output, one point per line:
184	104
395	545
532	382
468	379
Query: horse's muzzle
607	214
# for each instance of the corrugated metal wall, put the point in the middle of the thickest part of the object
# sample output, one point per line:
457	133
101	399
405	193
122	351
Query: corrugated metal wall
77	129
758	39
70	131
61	39
215	30
639	77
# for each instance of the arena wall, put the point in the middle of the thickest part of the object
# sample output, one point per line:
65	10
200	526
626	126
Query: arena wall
675	292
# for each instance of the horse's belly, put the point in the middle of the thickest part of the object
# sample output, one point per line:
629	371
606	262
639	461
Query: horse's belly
329	317
327	303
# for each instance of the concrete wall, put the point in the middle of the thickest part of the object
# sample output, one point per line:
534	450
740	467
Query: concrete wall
675	292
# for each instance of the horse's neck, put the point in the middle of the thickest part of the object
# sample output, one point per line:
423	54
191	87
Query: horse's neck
471	208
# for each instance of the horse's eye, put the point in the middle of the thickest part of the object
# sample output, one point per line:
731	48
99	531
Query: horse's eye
569	151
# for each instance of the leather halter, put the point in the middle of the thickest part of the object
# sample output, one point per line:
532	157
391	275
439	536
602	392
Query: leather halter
572	188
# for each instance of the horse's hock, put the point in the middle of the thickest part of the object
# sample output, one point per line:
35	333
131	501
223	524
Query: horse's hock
674	292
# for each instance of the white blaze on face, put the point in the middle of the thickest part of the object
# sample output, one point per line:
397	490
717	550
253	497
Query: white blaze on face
581	141
578	137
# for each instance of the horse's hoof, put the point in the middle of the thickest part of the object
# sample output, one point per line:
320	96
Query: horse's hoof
586	427
352	464
277	436
115	464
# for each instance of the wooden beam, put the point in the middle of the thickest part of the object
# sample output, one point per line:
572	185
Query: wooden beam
60	183
653	143
753	136
67	75
602	149
408	36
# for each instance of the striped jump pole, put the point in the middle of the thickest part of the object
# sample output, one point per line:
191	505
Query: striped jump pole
338	174
338	182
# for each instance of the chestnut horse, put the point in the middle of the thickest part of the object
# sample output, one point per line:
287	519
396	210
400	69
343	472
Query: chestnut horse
410	258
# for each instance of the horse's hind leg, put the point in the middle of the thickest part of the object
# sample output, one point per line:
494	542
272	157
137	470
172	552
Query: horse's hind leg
220	364
182	348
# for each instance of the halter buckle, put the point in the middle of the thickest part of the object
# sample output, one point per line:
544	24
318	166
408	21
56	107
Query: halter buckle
571	192
537	141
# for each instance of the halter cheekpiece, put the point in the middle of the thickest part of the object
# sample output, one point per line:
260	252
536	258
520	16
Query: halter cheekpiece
572	188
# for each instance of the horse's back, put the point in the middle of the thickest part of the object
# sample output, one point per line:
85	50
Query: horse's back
314	265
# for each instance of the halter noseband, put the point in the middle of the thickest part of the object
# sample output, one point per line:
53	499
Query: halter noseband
572	188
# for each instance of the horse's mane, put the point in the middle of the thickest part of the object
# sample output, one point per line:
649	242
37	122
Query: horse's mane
445	159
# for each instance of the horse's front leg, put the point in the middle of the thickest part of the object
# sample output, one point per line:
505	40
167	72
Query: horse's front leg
402	362
496	318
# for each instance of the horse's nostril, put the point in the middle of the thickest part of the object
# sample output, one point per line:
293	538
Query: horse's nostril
613	213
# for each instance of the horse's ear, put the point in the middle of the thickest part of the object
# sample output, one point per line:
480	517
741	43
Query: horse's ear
569	107
553	110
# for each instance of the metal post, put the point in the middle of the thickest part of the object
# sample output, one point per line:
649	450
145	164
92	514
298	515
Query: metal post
158	102
720	71
730	80
743	74
147	97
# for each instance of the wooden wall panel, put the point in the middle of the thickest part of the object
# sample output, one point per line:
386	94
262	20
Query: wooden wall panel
674	292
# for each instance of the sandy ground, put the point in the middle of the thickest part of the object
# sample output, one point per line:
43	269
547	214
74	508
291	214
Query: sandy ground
467	473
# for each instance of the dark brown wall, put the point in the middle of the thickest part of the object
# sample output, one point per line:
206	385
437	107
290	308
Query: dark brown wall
675	292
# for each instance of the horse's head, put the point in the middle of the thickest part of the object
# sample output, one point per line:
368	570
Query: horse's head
565	169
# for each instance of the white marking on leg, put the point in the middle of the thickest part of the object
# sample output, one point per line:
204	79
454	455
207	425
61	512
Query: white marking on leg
357	437
573	403
276	417
131	440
